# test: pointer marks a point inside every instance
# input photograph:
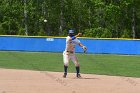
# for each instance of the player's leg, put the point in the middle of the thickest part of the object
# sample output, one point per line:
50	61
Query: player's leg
77	65
66	63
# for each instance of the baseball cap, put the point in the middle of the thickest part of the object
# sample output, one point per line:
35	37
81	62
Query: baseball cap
71	31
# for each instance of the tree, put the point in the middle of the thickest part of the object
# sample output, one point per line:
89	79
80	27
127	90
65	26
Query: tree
99	18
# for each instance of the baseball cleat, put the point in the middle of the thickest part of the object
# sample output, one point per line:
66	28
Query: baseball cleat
65	74
78	76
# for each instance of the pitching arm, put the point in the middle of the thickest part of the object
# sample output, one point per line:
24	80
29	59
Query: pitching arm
72	38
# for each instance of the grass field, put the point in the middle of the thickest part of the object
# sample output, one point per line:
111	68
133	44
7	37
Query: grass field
106	64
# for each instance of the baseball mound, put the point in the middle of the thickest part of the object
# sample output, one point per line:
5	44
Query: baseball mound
26	81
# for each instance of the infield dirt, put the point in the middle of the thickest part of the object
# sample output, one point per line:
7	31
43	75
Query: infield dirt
27	81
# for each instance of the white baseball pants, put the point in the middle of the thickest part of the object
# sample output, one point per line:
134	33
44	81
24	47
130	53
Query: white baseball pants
70	56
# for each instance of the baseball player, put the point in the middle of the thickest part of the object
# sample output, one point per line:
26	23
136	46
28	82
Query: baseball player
69	53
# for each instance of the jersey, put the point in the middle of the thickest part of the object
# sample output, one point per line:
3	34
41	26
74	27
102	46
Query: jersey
70	44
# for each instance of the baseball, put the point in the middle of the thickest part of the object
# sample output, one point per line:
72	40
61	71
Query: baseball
45	20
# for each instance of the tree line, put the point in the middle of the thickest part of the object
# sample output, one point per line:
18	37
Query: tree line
94	18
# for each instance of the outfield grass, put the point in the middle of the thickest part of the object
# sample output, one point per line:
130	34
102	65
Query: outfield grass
118	65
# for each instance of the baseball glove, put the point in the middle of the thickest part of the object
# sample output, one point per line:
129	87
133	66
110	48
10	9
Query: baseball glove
85	49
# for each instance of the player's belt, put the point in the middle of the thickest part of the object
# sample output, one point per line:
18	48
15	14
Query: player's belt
70	51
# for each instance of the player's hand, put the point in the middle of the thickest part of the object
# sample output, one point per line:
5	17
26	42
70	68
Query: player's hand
79	34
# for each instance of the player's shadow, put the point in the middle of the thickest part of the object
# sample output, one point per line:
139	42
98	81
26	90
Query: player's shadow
86	78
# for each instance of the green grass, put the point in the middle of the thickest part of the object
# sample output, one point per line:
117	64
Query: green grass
105	64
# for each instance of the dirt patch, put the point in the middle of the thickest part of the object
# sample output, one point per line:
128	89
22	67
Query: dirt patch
26	81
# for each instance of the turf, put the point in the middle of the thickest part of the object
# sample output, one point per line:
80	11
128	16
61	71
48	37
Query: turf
106	64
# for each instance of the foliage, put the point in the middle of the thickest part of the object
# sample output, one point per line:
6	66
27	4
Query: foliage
96	18
98	32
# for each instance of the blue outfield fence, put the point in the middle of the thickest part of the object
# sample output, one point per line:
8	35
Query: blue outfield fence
50	44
